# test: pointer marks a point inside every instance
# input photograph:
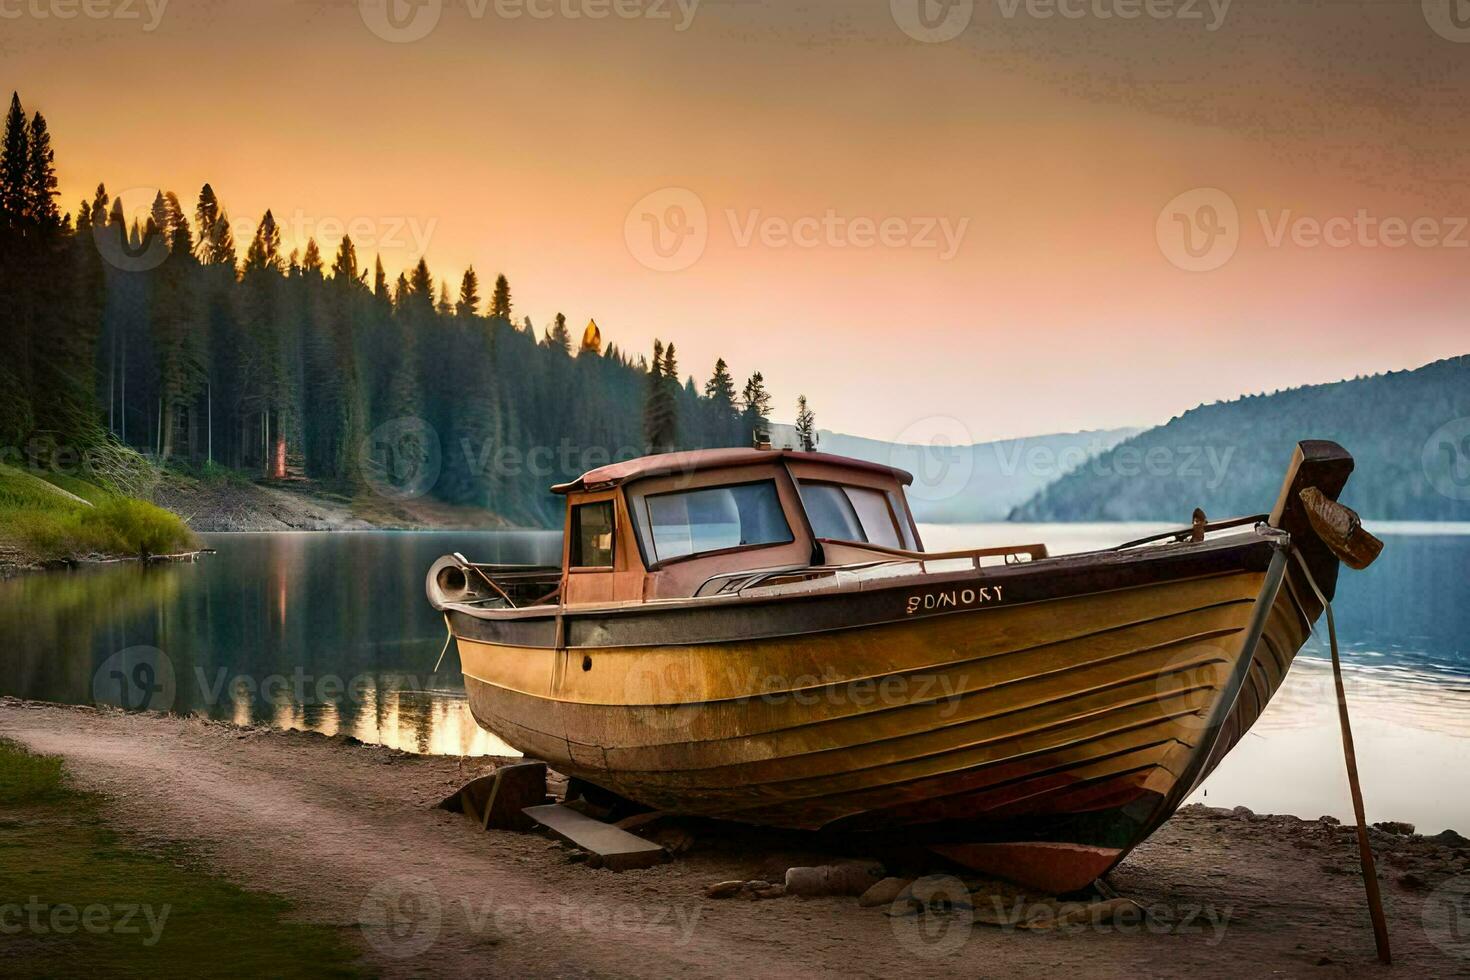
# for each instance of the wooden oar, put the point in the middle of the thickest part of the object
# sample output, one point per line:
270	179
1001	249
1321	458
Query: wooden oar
1365	849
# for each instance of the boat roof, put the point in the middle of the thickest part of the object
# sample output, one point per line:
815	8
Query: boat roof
692	461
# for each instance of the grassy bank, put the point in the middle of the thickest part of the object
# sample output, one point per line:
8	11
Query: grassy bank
74	902
60	518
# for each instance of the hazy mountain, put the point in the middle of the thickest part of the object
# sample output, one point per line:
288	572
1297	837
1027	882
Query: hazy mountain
980	482
1408	430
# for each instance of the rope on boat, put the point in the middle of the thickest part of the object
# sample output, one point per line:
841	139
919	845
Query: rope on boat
1365	849
447	640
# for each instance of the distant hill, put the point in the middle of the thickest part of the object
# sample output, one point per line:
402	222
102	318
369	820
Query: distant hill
1408	430
971	483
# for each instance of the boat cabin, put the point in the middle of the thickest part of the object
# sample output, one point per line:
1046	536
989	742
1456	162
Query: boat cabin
673	526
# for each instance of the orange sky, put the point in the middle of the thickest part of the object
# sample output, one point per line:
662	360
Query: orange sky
521	144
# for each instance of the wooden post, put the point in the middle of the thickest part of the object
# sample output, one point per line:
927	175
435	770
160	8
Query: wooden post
1365	847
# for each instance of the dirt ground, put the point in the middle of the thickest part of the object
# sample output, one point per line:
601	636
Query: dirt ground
349	832
300	505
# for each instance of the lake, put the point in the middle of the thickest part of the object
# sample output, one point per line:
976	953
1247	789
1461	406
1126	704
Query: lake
331	633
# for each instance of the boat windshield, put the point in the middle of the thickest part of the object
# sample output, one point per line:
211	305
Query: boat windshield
695	522
846	513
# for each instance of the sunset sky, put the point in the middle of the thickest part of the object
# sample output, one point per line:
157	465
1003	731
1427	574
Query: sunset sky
550	148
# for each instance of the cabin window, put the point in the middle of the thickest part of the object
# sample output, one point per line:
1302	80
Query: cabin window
592	535
694	522
846	513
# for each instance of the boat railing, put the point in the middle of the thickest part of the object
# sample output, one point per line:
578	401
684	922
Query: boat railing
1012	554
1195	532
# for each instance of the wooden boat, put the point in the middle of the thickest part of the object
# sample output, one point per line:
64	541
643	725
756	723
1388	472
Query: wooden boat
758	636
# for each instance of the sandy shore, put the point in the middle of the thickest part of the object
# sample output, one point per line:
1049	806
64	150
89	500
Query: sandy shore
342	828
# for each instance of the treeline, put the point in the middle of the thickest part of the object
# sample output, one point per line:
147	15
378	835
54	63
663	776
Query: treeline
1408	431
198	344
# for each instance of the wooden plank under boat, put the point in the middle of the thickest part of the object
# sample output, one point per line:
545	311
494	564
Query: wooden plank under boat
1028	716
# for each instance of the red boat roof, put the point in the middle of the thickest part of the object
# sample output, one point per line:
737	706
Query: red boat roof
708	459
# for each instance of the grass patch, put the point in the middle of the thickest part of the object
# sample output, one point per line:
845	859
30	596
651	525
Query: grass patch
68	883
54	526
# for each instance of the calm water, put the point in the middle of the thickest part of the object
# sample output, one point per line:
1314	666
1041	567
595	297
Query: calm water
331	632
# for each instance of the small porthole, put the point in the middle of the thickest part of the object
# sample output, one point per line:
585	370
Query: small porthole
586	663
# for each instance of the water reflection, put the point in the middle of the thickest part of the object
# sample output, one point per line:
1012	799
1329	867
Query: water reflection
331	633
322	632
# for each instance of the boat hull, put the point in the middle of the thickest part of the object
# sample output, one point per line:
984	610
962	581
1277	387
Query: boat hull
1032	724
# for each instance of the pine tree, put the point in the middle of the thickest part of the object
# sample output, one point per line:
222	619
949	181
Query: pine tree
500	300
100	202
264	253
421	287
380	283
15	162
558	337
344	266
312	261
724	414
469	294
41	177
660	418
806	426
445	307
757	405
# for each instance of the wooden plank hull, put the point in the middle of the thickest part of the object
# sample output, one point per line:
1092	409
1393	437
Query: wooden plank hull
1039	737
